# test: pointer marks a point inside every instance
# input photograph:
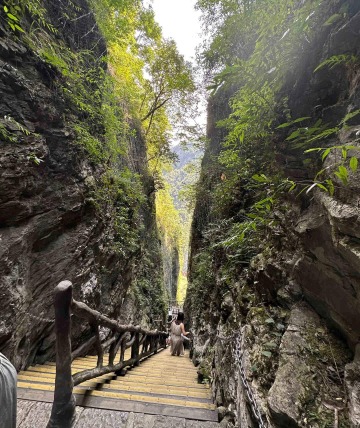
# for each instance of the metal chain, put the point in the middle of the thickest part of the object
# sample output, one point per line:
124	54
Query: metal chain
35	317
238	354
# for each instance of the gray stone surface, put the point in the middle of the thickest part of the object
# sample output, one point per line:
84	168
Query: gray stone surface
285	394
198	424
23	409
96	418
153	421
352	382
36	414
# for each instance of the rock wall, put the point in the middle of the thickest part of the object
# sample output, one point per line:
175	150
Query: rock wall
52	225
295	307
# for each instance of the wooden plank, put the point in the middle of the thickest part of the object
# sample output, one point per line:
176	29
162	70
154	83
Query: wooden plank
124	406
149	408
164	394
125	396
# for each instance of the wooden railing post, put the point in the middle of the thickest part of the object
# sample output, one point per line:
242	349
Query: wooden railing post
63	409
135	349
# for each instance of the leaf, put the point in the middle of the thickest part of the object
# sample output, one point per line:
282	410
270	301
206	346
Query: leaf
350	116
292	187
19	28
353	163
12	17
331	187
293	135
284	125
342	173
325	154
6	9
316	149
267	354
260	178
271	345
300	119
321	186
270	321
324	134
344	153
332	19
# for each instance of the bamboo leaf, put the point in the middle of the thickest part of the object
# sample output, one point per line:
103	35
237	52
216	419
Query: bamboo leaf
325	154
321	186
316	149
350	116
284	125
353	163
12	17
293	135
301	119
19	28
331	187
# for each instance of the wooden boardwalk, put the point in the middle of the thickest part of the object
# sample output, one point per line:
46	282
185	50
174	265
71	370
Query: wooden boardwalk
162	391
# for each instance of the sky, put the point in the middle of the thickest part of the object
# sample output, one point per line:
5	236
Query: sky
179	21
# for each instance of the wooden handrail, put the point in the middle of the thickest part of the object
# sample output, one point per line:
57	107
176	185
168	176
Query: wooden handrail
63	409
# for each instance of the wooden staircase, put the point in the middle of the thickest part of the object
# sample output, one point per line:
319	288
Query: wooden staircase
163	387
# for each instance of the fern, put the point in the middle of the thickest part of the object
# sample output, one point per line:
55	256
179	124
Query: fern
336	60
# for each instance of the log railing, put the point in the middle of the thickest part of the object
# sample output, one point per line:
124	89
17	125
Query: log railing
121	338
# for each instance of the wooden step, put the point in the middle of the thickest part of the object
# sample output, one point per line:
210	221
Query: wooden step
162	385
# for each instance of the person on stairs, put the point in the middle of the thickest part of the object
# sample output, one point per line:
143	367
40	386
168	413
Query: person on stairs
178	333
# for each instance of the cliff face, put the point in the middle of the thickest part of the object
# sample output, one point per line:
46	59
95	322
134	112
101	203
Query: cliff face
295	304
64	214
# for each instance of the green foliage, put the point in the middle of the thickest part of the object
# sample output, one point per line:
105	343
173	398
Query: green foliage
343	156
252	48
11	19
120	195
15	10
5	135
336	60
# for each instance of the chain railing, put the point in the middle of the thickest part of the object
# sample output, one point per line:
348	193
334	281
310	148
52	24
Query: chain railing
255	409
236	339
121	338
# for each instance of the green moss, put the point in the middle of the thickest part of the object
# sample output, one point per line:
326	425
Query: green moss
267	328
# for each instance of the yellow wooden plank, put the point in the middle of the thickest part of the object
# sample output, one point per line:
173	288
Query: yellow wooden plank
160	381
158	390
134	397
154	381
